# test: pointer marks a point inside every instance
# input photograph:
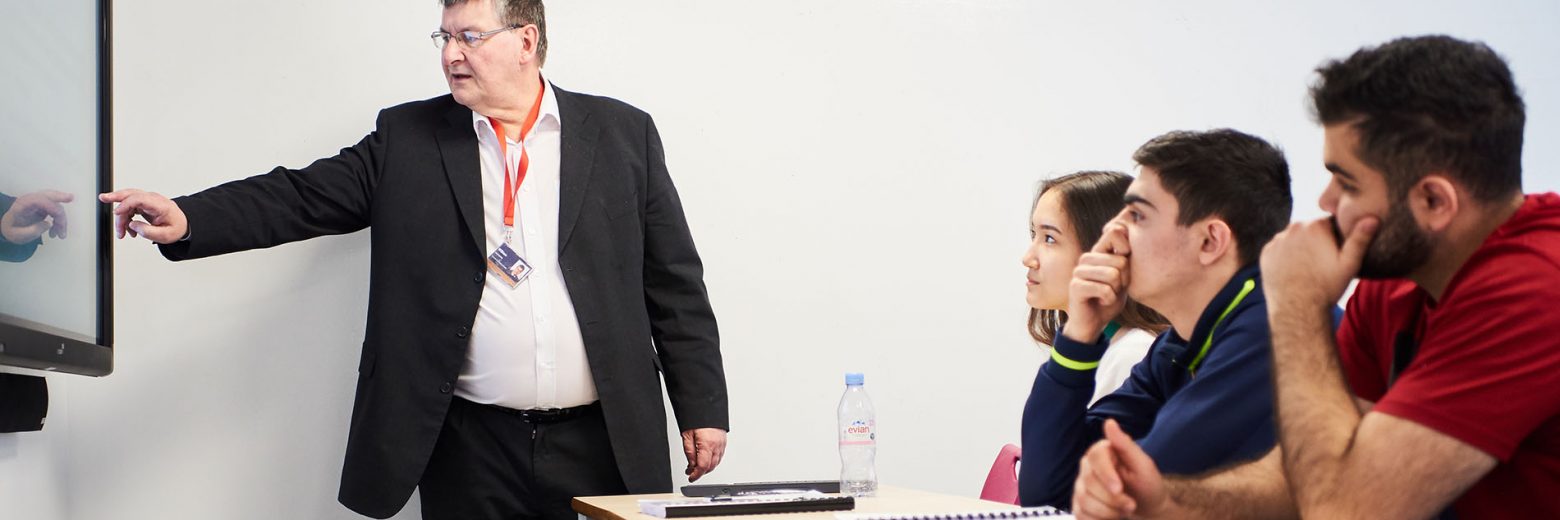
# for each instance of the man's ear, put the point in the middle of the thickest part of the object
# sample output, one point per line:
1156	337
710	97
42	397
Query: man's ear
1217	241
1434	202
532	41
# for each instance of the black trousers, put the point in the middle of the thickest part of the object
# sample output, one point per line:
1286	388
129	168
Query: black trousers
490	463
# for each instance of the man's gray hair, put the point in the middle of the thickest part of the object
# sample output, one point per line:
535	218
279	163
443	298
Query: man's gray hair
519	13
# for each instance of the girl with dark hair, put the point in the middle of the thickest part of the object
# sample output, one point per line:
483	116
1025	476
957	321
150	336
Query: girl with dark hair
1069	214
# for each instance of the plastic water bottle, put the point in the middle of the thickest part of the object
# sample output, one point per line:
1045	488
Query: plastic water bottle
858	439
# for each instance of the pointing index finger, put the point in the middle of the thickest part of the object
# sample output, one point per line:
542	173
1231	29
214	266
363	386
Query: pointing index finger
117	195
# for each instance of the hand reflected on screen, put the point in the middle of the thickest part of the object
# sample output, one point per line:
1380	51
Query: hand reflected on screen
33	214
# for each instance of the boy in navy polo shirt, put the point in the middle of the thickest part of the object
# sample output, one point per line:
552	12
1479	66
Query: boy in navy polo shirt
1185	245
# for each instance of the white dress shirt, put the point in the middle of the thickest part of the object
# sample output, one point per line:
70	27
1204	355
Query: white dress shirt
526	351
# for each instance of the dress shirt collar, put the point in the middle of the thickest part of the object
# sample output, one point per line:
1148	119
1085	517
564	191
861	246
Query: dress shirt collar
546	120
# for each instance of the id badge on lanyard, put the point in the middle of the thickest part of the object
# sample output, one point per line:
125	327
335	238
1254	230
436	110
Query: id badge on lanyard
504	262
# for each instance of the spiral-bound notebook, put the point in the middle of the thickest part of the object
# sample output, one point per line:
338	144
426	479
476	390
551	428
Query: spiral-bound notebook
1004	514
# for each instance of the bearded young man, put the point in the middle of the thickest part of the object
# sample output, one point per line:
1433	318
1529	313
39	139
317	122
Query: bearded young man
1438	392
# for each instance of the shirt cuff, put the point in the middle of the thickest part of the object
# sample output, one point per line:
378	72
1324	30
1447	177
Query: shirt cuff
1073	363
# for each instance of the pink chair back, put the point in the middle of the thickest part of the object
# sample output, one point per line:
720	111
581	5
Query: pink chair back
1002	481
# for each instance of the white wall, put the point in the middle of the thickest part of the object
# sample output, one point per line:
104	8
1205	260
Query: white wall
34	482
857	175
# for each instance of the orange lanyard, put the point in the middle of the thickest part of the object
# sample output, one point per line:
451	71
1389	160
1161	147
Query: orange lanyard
513	191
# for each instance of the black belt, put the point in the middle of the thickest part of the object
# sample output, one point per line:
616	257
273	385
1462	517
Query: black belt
550	415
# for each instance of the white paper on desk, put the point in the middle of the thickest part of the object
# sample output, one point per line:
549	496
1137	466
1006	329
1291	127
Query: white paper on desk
657	508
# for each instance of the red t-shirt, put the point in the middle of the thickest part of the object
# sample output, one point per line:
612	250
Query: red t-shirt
1488	367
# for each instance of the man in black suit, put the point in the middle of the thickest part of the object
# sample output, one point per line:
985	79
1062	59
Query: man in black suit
497	396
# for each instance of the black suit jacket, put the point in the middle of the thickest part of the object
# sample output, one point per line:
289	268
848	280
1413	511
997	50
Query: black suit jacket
628	261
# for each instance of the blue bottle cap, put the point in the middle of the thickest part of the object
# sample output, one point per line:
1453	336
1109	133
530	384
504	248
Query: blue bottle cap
854	379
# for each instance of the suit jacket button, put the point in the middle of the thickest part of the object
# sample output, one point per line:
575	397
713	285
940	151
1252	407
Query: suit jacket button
444	388
477	278
461	332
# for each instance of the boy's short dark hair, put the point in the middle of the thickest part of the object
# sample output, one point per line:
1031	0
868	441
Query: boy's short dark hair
1236	177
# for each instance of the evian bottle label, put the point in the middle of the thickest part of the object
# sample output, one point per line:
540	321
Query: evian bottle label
859	433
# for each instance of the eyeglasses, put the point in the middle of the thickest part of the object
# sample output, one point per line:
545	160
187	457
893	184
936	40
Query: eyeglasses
467	39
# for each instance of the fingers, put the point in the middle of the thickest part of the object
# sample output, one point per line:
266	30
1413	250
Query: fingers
36	213
688	451
61	224
46	201
1114	475
1105	464
704	448
164	222
717	448
49	203
1103	260
18	233
1095	294
1110	276
122	223
1085	290
1358	241
1100	277
1130	455
37	229
1140	476
123	212
143	203
705	461
1113	240
711	445
114	197
57	196
1097	492
1103	268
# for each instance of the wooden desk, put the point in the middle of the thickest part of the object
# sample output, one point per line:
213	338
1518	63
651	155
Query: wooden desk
888	500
